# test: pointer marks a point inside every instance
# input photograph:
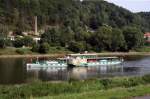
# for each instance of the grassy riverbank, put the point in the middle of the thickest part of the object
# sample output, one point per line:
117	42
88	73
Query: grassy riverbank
63	54
116	93
27	53
93	88
60	52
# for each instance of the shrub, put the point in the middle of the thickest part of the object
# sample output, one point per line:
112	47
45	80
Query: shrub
35	48
146	78
28	41
44	48
18	42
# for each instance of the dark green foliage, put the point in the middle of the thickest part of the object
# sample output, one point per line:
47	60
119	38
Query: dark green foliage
27	41
4	42
145	17
19	14
18	42
146	78
44	48
51	36
8	42
76	46
133	36
35	47
118	41
23	41
108	38
103	37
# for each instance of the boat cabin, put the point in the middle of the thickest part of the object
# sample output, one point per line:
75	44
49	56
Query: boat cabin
82	59
82	56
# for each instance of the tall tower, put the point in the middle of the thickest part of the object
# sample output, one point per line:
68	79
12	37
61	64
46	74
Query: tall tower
35	27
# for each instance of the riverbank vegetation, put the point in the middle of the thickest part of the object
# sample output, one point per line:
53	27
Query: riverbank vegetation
115	93
73	25
28	51
74	88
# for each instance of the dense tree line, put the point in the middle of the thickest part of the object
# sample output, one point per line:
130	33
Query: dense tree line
104	38
145	21
89	25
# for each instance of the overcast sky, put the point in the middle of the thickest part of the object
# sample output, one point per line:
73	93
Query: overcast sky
133	5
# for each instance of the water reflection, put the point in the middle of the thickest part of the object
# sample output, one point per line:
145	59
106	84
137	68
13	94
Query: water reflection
83	72
12	70
51	73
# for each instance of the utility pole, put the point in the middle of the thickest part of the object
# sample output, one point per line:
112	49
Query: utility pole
35	27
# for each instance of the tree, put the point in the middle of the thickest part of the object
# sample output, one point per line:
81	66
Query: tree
28	41
18	42
51	36
81	34
102	38
118	41
76	46
35	47
67	36
44	48
133	37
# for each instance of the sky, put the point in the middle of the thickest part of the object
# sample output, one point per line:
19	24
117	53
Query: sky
133	5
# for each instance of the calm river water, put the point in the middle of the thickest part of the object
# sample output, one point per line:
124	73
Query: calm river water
13	70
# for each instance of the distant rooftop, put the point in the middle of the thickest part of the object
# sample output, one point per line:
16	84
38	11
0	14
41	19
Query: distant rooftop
84	54
147	34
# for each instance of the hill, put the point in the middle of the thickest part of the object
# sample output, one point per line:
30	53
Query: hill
18	14
79	23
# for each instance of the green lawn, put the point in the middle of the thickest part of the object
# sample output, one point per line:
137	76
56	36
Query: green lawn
143	49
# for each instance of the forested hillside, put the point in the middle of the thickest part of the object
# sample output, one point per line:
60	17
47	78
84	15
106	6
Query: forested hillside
73	13
90	25
146	20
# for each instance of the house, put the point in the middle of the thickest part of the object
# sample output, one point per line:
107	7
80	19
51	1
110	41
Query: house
147	36
12	38
36	39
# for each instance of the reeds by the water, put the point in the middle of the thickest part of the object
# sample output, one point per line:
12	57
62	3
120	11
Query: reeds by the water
38	89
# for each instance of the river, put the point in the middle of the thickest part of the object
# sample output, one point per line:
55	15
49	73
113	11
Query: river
13	70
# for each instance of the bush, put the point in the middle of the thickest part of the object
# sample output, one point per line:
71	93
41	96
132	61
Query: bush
44	48
35	48
146	78
28	41
19	42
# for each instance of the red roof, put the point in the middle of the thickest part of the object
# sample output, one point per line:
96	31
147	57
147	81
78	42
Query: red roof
147	34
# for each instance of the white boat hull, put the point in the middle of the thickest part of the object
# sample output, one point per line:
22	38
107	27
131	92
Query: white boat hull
45	66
